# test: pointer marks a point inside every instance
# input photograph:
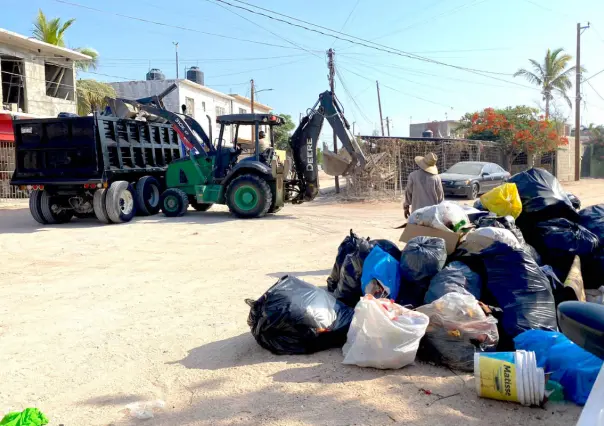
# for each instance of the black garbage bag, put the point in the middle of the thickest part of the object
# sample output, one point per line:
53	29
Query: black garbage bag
349	245
456	277
295	317
515	283
592	269
388	246
560	292
349	290
592	218
574	200
542	198
421	259
558	241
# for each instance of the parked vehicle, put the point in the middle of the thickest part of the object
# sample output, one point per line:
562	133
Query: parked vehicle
472	178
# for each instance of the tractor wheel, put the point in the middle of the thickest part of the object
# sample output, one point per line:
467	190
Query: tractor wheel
147	196
99	204
174	202
249	196
52	210
201	207
120	202
35	208
273	210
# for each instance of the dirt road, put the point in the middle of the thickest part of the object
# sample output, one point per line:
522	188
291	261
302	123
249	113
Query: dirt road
95	317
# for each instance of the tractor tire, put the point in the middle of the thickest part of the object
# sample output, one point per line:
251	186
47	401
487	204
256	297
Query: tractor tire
201	207
174	202
35	208
249	196
100	207
148	195
274	210
51	209
120	203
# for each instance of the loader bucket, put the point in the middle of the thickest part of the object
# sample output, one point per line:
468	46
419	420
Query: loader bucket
339	164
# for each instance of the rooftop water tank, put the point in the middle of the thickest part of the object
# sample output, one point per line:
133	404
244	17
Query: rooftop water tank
195	75
155	74
427	133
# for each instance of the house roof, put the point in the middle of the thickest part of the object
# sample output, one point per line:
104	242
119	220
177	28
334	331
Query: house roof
13	39
249	101
205	89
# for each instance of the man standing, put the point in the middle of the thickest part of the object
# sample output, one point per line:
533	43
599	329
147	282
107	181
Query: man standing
424	187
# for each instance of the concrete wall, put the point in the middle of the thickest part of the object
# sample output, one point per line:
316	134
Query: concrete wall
36	100
446	128
565	171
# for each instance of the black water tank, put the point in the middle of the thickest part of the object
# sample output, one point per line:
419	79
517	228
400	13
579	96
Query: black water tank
195	75
427	134
155	74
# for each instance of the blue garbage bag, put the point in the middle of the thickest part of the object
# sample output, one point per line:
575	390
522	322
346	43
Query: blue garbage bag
456	277
569	364
381	274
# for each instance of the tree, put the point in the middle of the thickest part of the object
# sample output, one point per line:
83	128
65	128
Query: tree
552	76
91	96
519	129
281	133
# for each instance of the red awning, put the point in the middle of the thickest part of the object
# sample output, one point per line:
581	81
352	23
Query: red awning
6	128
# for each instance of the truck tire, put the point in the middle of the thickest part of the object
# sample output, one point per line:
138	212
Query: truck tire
249	196
148	196
174	202
120	202
52	211
201	207
35	208
99	206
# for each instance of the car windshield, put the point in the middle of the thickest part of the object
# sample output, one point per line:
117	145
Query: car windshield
465	169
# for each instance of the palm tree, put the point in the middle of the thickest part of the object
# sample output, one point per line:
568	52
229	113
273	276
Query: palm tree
552	76
53	31
92	94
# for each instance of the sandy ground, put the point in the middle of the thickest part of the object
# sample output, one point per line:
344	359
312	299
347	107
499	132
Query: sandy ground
95	317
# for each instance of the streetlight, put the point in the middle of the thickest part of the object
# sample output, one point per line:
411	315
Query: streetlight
253	91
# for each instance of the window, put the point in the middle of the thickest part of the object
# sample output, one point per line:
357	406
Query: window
59	81
13	83
203	106
242	111
220	111
190	104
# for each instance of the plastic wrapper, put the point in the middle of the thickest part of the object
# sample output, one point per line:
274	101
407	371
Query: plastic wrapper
446	216
348	246
542	198
388	246
569	364
505	222
295	317
381	274
592	218
515	283
383	334
456	277
558	241
421	259
503	200
595	296
349	288
458	328
574	200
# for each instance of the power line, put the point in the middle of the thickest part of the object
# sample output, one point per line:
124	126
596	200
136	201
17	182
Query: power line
599	72
352	99
594	89
347	19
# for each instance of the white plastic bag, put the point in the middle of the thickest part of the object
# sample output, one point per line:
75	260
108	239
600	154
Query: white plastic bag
446	216
144	410
595	296
383	334
496	234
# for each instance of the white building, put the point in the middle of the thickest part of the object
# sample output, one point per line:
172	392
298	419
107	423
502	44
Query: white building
440	129
37	78
201	102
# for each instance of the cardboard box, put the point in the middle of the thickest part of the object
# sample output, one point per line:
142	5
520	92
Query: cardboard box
412	231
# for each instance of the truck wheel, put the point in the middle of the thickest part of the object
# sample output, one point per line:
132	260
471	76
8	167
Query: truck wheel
174	202
201	207
52	210
99	206
120	202
249	196
35	208
147	196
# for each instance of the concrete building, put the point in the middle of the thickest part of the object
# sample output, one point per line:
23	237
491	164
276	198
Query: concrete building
38	79
440	129
201	102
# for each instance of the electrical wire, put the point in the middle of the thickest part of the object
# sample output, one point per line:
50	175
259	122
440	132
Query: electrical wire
350	97
346	21
594	89
598	73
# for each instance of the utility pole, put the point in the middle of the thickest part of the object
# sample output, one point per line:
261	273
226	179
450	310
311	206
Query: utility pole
578	105
252	90
175	43
388	125
377	83
332	87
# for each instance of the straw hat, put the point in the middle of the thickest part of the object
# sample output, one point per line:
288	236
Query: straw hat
428	163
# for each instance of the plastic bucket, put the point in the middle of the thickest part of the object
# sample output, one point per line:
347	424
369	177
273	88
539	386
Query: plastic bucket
509	376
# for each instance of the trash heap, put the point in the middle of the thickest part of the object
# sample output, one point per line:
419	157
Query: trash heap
474	289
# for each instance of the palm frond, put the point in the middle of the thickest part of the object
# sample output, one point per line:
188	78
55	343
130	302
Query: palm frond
90	64
564	96
532	78
91	95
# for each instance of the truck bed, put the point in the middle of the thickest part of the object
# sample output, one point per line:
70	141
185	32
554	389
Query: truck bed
99	148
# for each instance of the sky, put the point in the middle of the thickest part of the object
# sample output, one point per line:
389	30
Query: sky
232	46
